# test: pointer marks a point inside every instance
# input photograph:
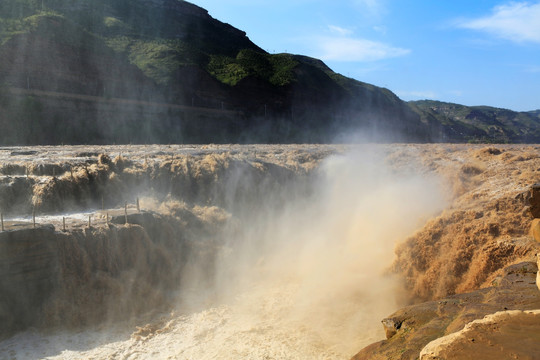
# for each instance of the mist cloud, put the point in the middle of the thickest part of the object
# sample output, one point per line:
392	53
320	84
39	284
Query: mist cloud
349	49
340	30
325	256
516	21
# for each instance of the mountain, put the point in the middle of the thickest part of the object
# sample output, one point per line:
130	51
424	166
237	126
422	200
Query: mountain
147	71
459	123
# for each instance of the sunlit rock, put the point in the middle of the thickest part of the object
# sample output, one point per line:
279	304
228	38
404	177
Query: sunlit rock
503	335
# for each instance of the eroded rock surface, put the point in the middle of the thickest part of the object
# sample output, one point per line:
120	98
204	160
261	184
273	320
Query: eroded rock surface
535	229
503	335
535	200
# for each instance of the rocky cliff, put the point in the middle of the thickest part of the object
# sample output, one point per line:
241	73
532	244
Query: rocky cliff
472	272
88	276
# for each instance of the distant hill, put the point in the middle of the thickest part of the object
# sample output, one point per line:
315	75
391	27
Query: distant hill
459	123
137	71
535	113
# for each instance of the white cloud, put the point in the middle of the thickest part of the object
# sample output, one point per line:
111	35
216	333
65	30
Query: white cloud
416	95
339	30
351	49
515	21
380	29
373	7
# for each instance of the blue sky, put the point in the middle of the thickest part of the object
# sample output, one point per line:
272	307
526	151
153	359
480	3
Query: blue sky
469	52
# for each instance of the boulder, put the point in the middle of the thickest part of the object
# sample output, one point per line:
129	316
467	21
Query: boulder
535	229
538	273
502	335
391	326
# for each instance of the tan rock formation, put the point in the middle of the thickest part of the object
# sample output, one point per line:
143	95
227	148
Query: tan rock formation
535	229
503	335
538	273
485	229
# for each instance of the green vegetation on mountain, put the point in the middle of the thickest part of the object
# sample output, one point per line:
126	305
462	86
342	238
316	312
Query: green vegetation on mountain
276	69
190	78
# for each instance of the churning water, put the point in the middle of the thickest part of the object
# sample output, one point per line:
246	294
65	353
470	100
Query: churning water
301	277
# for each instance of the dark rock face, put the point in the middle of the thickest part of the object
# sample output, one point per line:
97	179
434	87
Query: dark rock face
29	273
534	200
72	279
